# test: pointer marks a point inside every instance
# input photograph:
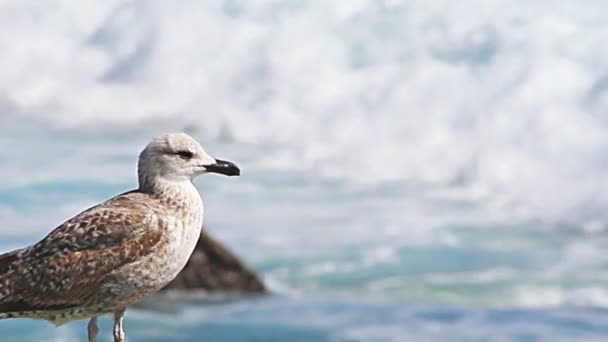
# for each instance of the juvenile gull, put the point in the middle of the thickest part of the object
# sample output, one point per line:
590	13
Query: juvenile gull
115	253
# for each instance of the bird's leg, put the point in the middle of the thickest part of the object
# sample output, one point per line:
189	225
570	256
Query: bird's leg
92	329
119	333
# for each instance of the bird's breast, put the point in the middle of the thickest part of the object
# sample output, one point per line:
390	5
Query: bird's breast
180	219
183	231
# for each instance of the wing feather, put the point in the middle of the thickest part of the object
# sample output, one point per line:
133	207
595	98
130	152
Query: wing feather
68	266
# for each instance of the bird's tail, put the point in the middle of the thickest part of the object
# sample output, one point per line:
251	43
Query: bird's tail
6	260
8	315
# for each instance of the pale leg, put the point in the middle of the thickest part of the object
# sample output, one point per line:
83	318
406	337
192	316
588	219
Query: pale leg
92	329
119	333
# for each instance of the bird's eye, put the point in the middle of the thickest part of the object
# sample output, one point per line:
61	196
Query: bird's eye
185	154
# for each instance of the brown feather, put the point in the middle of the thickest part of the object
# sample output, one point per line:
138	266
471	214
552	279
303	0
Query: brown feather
7	259
75	259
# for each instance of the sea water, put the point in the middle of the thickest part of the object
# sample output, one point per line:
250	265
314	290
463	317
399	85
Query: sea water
412	170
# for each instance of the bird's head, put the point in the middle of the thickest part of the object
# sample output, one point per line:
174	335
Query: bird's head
177	156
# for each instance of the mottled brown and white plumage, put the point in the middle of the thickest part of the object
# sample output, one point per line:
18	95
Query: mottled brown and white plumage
117	252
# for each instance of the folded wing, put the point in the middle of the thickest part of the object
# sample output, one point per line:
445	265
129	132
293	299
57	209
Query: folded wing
68	266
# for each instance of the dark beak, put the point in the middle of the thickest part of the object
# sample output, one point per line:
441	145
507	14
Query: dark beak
224	167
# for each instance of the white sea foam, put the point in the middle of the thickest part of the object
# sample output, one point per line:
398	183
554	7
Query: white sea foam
555	296
504	105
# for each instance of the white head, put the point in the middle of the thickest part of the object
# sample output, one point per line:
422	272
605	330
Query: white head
177	157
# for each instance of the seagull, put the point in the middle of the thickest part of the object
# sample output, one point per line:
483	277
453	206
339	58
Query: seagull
119	251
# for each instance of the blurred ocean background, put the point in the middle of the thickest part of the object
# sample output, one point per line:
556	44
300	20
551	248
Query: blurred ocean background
412	170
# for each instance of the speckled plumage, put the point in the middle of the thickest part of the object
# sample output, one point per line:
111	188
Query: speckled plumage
117	252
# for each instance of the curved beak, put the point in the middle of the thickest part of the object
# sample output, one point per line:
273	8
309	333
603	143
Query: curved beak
223	167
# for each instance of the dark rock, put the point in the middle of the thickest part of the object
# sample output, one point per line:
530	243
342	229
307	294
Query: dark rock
213	268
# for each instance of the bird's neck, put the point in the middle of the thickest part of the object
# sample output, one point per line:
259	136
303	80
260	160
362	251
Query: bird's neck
173	192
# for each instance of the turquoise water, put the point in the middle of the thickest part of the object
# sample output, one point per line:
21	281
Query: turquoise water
282	319
345	262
